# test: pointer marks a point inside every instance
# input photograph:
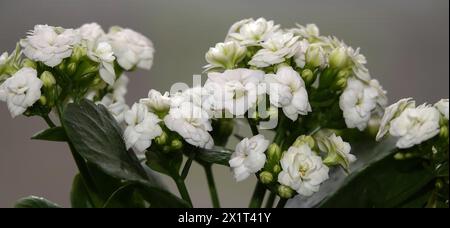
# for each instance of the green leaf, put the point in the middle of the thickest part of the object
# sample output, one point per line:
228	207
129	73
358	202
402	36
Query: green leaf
56	134
168	164
127	196
158	198
79	195
216	155
35	202
96	137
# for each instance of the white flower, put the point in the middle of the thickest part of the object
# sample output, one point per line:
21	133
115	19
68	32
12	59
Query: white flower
3	58
49	45
120	86
302	170
351	56
235	90
357	103
249	157
91	33
310	31
249	32
442	106
157	102
382	99
131	48
315	56
103	54
287	91
192	123
338	151
142	128
300	55
415	125
115	105
225	55
21	90
279	47
392	112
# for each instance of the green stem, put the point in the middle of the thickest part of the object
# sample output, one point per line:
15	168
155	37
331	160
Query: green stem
258	195
183	190
271	200
281	131
282	203
187	165
48	121
212	185
253	126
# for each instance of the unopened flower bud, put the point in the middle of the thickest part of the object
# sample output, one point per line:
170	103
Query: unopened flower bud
43	100
274	152
48	79
266	177
343	74
176	144
285	192
162	139
443	133
225	55
315	56
399	156
304	139
439	184
338	58
340	84
307	76
71	68
77	53
29	63
276	169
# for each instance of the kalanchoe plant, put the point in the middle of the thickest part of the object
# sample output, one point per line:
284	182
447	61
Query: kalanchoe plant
313	91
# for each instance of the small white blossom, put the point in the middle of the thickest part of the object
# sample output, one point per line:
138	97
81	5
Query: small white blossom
310	31
157	102
300	55
302	170
249	32
279	47
249	157
338	151
131	48
116	106
415	125
49	45
357	103
192	123
91	33
392	112
21	90
235	90
142	128
225	55
287	90
442	106
103	54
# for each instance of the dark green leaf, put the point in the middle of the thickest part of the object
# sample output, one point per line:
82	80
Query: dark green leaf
158	198
56	134
127	196
34	202
96	137
216	155
79	195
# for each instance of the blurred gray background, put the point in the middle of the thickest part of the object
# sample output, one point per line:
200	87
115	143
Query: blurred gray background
405	41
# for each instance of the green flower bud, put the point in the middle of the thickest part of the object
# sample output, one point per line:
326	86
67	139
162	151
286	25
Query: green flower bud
276	169
340	84
399	156
47	79
343	74
304	139
162	139
338	58
439	184
266	177
176	144
29	63
314	56
443	133
77	53
285	192
308	76
274	152
71	68
43	100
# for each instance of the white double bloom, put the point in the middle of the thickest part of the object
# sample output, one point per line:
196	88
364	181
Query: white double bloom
103	54
277	49
442	106
338	151
250	32
302	170
225	55
21	90
249	157
287	91
49	45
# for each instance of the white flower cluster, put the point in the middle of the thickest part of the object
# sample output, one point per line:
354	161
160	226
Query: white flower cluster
81	54
413	125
